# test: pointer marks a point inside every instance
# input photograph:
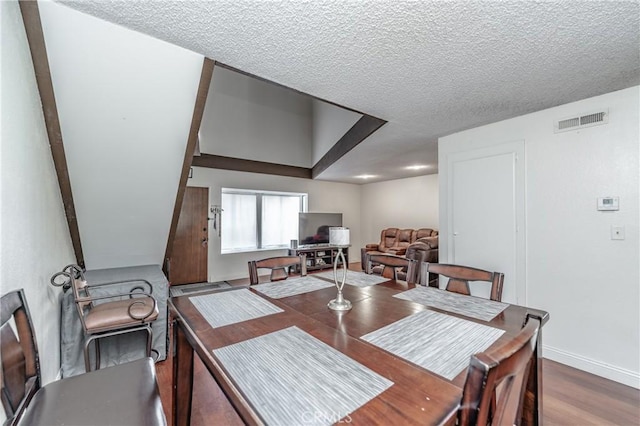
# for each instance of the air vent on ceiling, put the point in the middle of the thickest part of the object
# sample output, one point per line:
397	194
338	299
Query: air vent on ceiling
580	122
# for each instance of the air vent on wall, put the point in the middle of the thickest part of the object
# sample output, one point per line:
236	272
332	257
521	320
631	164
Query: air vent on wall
580	122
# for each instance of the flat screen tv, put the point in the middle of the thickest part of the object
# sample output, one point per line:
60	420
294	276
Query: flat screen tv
313	228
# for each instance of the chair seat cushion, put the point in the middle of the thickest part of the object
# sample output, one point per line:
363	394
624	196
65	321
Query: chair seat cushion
115	314
125	394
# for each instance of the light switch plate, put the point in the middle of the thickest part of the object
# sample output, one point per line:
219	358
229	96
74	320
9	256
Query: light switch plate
617	232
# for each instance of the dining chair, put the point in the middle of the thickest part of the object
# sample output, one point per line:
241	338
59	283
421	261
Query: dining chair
459	277
122	394
391	265
280	267
110	315
496	382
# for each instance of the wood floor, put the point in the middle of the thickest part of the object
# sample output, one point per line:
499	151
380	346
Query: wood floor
573	397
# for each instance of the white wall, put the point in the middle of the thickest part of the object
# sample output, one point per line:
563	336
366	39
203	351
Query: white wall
587	282
34	233
330	123
248	118
323	197
125	102
401	203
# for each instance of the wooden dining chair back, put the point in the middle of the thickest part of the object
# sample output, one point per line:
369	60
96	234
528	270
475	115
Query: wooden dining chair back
391	266
459	277
496	381
280	266
122	394
113	314
20	362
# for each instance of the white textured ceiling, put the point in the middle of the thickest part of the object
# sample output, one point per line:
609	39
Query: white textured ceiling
429	68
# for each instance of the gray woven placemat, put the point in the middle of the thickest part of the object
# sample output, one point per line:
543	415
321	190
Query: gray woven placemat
473	307
230	307
354	278
292	378
292	286
438	342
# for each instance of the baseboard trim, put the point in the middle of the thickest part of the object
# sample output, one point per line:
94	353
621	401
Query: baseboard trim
608	371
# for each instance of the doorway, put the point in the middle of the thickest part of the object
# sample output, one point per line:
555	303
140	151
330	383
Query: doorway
487	214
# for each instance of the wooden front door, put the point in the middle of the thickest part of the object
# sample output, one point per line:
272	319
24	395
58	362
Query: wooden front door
191	245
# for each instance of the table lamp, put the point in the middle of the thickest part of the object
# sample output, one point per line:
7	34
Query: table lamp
339	237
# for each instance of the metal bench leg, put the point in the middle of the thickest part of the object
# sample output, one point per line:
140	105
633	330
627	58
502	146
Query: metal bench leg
97	346
149	340
87	363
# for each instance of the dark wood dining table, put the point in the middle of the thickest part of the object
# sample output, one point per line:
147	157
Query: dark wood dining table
417	395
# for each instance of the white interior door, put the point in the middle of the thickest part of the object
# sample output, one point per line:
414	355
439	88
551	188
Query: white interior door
486	214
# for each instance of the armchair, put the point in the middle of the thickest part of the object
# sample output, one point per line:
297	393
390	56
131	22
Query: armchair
388	239
397	242
403	241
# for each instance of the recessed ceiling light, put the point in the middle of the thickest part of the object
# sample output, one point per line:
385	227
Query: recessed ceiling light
417	167
365	176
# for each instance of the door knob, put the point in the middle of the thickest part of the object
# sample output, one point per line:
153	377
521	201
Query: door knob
204	242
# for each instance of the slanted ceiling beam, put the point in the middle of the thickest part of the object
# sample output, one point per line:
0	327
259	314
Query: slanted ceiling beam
251	166
198	110
35	37
356	134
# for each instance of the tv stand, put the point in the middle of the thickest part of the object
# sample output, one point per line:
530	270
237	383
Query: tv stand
320	256
312	246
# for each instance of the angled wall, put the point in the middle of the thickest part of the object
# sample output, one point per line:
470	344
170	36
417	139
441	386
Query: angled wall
252	119
125	102
34	240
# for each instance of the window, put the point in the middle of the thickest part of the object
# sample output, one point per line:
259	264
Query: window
259	220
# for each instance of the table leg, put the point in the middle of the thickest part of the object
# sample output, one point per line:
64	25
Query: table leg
532	404
182	377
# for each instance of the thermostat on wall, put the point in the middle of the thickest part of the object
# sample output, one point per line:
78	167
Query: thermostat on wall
608	203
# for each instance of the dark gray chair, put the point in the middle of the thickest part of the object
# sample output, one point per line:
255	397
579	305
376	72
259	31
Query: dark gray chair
125	394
